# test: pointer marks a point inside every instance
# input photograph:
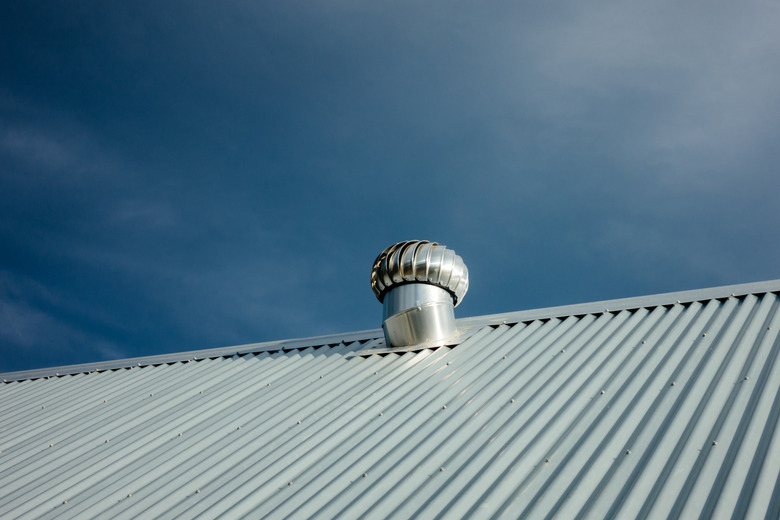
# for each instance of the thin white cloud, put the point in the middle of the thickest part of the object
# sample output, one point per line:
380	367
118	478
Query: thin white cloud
145	213
703	79
58	147
28	329
36	150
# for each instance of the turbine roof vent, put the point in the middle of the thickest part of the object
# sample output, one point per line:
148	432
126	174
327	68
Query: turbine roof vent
420	261
419	284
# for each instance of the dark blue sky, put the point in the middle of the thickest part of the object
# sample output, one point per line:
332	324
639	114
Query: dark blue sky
185	175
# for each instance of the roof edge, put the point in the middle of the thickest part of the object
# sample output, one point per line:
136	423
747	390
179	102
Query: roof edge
463	325
634	302
193	355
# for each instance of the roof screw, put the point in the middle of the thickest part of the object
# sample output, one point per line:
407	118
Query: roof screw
448	363
299	422
51	445
732	295
603	392
320	377
238	428
42	407
678	301
139	364
441	468
643	342
444	407
150	395
547	460
504	357
673	383
714	443
289	483
179	434
746	378
269	384
129	495
106	441
511	400
64	501
380	414
201	391
704	335
563	350
105	401
365	475
628	452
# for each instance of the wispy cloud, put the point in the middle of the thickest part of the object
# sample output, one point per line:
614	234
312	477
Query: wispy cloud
688	86
32	330
58	148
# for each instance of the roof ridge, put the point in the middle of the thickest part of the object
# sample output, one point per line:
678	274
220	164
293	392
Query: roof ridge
619	304
463	324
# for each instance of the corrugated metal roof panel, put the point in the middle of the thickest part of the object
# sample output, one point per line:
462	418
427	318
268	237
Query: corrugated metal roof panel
654	410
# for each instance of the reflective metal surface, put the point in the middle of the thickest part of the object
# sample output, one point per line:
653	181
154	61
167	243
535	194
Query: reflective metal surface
411	295
420	261
419	284
417	314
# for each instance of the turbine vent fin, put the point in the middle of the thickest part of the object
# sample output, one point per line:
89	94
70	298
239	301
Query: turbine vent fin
420	261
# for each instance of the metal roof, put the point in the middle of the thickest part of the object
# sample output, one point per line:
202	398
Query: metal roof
647	407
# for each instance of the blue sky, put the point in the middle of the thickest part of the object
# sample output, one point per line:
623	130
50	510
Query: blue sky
185	175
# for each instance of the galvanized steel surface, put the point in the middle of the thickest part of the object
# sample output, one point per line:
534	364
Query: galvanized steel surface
411	295
648	412
418	314
420	261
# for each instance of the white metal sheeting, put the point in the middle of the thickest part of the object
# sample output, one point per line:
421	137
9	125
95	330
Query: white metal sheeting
656	411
